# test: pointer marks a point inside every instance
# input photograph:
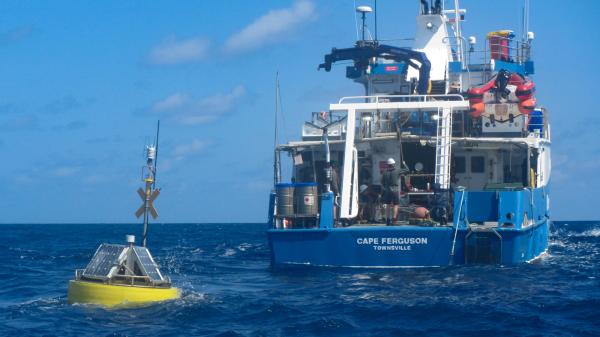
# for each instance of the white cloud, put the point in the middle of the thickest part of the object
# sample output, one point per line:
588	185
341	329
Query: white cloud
259	185
20	123
172	51
96	179
24	178
172	102
190	149
221	103
16	34
187	110
270	27
66	171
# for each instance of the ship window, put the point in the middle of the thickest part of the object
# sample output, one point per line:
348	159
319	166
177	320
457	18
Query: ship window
477	164
460	164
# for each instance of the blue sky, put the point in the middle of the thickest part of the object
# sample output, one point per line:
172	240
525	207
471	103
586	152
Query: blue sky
84	82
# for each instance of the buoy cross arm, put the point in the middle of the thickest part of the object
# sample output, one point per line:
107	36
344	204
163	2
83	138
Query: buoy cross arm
141	193
151	208
147	203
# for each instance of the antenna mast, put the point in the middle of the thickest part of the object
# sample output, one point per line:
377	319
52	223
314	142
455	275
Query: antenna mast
375	20
526	20
457	30
276	154
156	147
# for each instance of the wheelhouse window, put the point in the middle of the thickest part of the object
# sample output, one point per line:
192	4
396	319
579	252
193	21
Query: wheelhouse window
460	164
477	164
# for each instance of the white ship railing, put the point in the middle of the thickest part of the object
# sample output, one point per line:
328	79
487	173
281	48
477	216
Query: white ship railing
399	98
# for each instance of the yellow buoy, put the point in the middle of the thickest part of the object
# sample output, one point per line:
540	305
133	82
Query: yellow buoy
126	275
121	276
117	295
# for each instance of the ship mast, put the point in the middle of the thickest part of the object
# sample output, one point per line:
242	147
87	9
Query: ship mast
459	44
276	154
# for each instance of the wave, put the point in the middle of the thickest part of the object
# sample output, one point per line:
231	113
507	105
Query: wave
594	232
228	252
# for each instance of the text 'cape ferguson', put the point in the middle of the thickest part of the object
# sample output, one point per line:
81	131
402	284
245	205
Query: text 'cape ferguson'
391	241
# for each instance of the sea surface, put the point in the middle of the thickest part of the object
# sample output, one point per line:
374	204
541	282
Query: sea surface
229	288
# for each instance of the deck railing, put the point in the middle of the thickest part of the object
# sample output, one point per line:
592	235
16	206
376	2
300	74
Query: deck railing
423	123
399	98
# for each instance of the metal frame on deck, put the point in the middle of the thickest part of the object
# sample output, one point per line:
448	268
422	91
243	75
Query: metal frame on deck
446	103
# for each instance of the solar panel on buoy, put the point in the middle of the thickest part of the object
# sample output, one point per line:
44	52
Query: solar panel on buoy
147	264
105	259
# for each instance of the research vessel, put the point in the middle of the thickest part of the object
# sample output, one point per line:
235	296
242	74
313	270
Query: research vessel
445	159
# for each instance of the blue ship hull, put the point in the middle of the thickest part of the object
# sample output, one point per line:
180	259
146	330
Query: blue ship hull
405	246
493	227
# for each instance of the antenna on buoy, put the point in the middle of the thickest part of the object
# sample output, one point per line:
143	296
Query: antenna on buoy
150	193
156	152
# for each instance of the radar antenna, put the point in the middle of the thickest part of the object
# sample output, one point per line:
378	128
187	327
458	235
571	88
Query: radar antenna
363	10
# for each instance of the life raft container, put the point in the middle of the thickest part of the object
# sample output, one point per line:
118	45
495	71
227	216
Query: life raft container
527	106
477	109
525	91
475	95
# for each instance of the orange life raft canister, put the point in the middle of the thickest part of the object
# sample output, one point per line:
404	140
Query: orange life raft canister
527	106
525	91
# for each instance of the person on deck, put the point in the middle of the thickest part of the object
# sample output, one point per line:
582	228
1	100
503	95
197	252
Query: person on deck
335	188
366	203
389	182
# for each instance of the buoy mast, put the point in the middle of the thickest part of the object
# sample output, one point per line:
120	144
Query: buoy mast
150	193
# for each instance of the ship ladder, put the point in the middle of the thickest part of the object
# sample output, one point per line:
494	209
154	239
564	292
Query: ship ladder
443	147
460	205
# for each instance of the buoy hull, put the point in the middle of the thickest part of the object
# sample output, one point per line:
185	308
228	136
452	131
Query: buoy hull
118	295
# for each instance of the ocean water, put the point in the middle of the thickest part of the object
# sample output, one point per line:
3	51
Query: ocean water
229	289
